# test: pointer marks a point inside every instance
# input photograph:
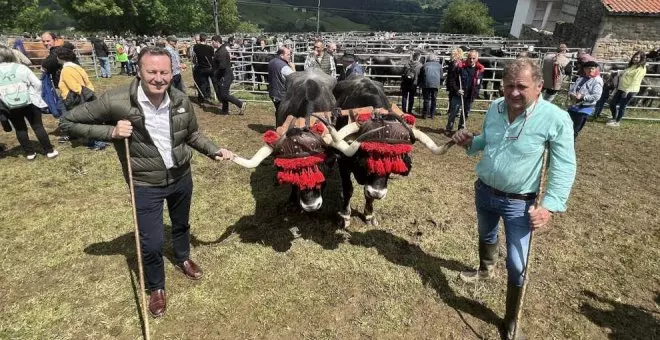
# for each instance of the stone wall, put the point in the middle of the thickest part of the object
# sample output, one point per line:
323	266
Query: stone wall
621	36
584	31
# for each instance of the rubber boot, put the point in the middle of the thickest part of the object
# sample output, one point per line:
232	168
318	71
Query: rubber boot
487	258
512	296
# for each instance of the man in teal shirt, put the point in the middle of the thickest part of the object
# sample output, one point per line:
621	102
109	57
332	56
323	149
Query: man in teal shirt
515	132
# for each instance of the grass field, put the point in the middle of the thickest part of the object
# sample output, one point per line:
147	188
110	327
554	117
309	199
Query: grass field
68	257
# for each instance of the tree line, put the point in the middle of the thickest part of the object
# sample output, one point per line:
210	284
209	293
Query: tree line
174	16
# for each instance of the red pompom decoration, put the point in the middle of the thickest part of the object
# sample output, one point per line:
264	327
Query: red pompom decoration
270	137
363	117
410	119
386	158
302	172
299	162
319	128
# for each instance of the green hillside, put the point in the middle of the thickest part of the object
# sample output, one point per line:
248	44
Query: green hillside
277	16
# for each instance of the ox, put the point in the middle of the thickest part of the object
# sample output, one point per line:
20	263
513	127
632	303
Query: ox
382	146
299	144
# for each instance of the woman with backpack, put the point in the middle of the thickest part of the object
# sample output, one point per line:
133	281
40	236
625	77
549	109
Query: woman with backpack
409	80
20	99
75	87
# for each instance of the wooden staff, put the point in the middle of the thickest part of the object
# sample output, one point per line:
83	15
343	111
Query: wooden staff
537	204
460	86
138	249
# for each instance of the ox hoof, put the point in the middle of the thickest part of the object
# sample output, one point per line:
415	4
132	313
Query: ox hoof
295	232
371	220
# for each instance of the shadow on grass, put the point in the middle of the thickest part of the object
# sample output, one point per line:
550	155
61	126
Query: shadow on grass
125	245
401	252
625	321
274	224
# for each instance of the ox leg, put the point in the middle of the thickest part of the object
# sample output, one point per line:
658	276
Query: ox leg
292	204
346	195
369	217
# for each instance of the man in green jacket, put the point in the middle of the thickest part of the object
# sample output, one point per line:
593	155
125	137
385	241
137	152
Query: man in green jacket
161	125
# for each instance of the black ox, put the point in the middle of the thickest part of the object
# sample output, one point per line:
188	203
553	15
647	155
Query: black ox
299	145
382	145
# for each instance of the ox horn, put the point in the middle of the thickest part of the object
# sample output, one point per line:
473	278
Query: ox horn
429	143
258	157
340	144
347	130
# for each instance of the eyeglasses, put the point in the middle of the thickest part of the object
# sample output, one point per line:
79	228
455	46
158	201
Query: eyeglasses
501	108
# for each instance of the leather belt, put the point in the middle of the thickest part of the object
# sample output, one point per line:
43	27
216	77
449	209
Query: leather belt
495	192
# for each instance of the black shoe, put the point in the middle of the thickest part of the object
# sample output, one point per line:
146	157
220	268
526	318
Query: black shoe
6	126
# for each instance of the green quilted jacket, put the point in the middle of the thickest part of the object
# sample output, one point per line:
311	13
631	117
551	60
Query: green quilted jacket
96	120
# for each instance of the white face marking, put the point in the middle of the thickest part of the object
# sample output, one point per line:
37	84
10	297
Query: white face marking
375	193
316	205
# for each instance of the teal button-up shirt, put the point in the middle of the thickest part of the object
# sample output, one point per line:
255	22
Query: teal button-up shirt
513	152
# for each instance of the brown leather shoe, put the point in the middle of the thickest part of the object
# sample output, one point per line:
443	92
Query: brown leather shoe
157	303
190	269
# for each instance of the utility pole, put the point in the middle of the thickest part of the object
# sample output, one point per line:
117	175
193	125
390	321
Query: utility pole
215	16
318	16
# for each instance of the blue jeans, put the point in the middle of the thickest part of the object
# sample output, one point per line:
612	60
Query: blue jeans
429	94
513	212
601	102
106	72
622	101
579	120
454	107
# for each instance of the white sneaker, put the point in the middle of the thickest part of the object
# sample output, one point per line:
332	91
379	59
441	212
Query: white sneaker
31	157
52	154
612	122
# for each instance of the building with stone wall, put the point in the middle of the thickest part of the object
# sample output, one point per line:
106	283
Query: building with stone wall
613	29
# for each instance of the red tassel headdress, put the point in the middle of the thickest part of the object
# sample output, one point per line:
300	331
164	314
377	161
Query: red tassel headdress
302	172
386	158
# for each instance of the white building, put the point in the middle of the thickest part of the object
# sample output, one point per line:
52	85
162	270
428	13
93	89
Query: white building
543	14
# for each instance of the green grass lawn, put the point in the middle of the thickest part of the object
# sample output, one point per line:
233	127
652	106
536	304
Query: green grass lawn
68	258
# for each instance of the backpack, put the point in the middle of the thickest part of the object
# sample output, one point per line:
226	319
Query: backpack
13	92
409	74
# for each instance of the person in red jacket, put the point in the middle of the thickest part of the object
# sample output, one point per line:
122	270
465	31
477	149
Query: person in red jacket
470	76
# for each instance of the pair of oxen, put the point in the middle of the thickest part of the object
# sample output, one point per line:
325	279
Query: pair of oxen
351	123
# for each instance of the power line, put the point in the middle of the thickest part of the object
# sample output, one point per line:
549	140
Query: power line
335	9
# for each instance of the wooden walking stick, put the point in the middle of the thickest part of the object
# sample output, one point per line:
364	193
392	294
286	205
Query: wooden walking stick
537	204
460	86
138	249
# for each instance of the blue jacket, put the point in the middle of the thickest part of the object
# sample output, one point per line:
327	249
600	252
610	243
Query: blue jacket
430	76
48	94
353	69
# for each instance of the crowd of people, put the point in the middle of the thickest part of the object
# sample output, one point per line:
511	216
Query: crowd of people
464	76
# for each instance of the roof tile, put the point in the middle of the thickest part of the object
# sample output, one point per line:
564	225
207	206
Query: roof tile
633	6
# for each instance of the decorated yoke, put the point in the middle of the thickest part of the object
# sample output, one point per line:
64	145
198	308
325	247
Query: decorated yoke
300	148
